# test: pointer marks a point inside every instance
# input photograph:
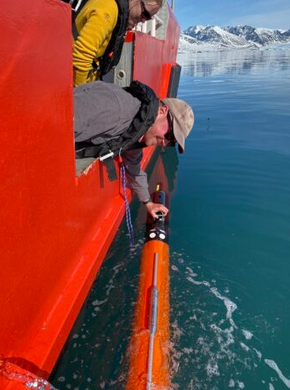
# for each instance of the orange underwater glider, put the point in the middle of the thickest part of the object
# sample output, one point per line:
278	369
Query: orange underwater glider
149	360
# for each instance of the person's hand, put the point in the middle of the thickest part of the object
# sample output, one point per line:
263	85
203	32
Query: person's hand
153	208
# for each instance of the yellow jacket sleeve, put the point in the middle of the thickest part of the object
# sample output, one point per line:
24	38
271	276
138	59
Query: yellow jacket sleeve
95	24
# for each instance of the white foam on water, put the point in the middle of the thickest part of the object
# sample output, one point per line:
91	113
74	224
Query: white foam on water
187	351
224	347
174	268
110	285
245	347
137	246
175	352
259	354
230	306
212	368
191	272
99	303
274	366
197	283
248	335
224	336
224	333
189	278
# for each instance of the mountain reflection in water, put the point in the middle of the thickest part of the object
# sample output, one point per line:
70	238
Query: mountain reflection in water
234	62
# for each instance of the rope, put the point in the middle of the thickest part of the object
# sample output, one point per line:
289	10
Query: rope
128	212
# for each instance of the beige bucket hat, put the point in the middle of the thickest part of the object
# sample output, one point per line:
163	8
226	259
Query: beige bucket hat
183	119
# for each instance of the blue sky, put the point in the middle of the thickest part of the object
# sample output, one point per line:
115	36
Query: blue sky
273	14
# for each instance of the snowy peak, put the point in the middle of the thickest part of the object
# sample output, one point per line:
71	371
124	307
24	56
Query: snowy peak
286	33
194	30
215	35
233	37
260	36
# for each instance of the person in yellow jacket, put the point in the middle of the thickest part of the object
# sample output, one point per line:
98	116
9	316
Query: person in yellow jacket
95	25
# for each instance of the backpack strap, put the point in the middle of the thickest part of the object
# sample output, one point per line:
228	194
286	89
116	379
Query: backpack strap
74	29
77	6
111	169
88	149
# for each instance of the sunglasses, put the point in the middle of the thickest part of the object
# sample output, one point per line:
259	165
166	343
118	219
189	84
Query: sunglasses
145	14
169	136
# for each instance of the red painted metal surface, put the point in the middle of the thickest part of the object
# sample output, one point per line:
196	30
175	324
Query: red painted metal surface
55	227
153	57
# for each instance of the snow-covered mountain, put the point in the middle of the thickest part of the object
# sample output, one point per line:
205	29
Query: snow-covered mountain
239	37
260	36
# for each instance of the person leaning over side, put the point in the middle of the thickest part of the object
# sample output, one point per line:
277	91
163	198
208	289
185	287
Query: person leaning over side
99	30
108	119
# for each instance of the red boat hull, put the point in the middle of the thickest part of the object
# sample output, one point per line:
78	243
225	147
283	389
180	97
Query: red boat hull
56	227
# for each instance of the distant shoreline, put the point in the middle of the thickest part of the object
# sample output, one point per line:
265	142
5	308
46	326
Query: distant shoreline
204	48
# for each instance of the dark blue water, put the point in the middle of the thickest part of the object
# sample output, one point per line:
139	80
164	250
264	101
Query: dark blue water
230	242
